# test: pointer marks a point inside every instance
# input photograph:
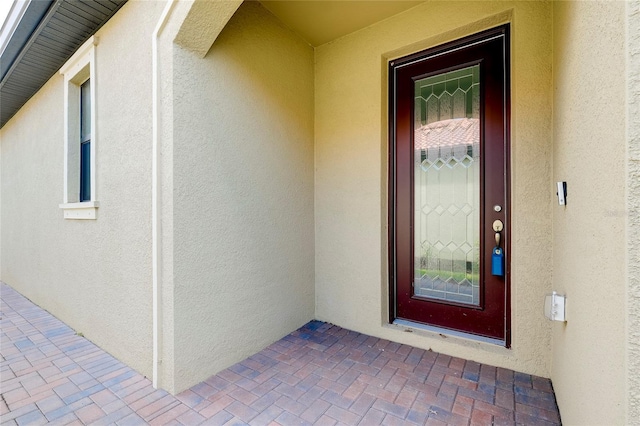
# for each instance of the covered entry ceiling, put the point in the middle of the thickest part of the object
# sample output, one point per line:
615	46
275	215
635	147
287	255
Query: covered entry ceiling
320	21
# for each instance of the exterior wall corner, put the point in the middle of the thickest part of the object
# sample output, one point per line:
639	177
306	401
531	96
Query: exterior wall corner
633	213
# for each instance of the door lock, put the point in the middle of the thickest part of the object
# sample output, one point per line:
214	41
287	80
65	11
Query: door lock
498	226
497	254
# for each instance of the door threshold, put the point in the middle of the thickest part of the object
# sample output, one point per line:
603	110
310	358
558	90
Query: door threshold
447	332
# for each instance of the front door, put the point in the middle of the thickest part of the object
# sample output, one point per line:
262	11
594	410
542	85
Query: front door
449	200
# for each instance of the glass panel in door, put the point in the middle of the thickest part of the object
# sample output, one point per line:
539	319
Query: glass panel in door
447	186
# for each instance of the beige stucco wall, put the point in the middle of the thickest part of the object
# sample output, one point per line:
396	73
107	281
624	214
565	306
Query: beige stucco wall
94	275
351	174
246	231
243	207
633	213
589	233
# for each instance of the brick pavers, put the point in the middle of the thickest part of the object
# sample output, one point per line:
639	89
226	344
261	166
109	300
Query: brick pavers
320	374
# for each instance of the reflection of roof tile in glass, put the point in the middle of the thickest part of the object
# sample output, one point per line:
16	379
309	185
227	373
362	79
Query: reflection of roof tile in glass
454	132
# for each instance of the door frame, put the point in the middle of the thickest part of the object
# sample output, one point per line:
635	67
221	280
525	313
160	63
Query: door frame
501	31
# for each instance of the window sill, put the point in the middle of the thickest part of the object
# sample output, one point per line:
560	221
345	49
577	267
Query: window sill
84	210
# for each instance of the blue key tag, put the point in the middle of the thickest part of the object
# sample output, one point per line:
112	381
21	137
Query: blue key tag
497	262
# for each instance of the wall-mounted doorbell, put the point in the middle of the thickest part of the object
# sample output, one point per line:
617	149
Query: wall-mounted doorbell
562	193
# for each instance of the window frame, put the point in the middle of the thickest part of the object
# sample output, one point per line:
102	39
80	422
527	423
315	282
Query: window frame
78	69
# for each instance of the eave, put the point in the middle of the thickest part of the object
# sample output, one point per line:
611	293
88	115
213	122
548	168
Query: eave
38	38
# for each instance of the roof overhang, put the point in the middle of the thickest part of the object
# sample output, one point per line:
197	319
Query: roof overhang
37	39
41	35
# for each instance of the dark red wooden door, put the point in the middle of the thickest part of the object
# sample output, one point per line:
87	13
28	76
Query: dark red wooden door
449	176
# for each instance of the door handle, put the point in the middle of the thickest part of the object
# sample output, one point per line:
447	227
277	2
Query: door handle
498	226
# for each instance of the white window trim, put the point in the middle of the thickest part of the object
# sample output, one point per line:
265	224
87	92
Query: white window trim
78	69
83	210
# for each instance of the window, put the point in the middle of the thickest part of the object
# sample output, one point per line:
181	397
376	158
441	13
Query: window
85	141
79	198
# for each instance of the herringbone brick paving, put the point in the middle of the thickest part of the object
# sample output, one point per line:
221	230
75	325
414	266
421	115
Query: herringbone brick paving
320	374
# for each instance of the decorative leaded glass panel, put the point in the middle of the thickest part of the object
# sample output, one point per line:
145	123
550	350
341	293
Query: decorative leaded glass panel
447	186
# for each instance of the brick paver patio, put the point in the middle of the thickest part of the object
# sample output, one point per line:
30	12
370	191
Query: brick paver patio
320	374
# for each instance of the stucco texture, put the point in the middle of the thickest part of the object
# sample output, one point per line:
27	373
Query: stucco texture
93	274
633	213
589	233
273	191
243	203
351	174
